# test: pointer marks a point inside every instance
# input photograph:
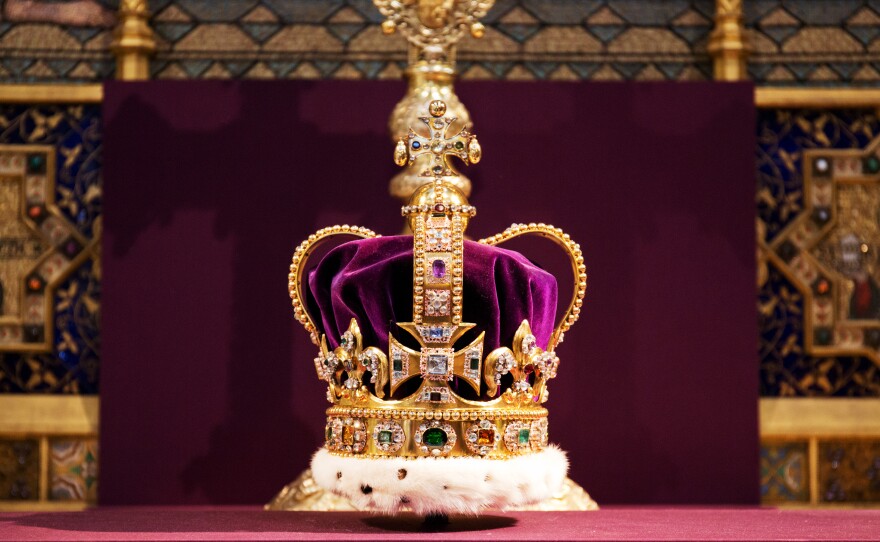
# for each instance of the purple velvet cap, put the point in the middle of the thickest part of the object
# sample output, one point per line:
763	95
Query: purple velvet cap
370	280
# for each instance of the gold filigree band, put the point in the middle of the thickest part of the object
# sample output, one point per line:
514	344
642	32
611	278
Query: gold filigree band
494	438
473	414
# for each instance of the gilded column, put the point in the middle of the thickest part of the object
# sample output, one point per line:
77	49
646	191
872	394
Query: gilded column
728	43
433	29
133	41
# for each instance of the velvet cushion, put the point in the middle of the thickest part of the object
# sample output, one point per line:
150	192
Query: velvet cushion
370	280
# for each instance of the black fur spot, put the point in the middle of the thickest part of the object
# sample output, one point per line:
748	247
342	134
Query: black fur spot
401	474
445	487
366	490
404	500
338	475
487	478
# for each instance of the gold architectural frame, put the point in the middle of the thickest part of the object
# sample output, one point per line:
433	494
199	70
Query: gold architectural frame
816	98
44	418
44	94
89	247
814	419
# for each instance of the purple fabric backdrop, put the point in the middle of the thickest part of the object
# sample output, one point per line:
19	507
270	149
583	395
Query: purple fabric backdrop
208	390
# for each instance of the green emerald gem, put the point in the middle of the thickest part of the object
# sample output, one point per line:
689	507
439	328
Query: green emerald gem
872	164
523	436
435	437
35	163
459	145
475	363
329	432
384	437
397	364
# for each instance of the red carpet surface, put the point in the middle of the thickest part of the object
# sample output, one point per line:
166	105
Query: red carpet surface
620	523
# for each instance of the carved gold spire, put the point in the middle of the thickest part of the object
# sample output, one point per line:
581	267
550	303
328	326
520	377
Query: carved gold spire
133	41
432	28
728	43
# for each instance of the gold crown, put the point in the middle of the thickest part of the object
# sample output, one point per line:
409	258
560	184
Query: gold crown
374	414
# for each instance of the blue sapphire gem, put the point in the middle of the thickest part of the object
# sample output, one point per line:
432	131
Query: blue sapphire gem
435	332
416	145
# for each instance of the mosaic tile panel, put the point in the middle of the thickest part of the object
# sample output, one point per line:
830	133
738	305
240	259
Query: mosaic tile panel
849	471
814	42
73	470
786	369
19	470
75	133
784	472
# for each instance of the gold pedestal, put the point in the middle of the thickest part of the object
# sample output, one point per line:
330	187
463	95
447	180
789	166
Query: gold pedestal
303	494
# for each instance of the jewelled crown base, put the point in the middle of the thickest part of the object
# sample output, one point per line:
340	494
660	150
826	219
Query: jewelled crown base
491	434
444	485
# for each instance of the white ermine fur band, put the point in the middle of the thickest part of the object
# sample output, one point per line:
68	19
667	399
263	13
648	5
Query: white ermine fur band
442	485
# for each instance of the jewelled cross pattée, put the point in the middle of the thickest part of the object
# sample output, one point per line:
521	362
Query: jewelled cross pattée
436	361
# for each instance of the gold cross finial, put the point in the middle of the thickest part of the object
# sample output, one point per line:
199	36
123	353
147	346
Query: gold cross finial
439	145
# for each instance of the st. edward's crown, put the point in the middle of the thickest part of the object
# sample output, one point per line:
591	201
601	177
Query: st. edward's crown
457	366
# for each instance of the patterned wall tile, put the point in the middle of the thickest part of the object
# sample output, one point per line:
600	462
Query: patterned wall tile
56	41
786	368
815	42
73	470
72	366
19	469
849	471
526	39
784	472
